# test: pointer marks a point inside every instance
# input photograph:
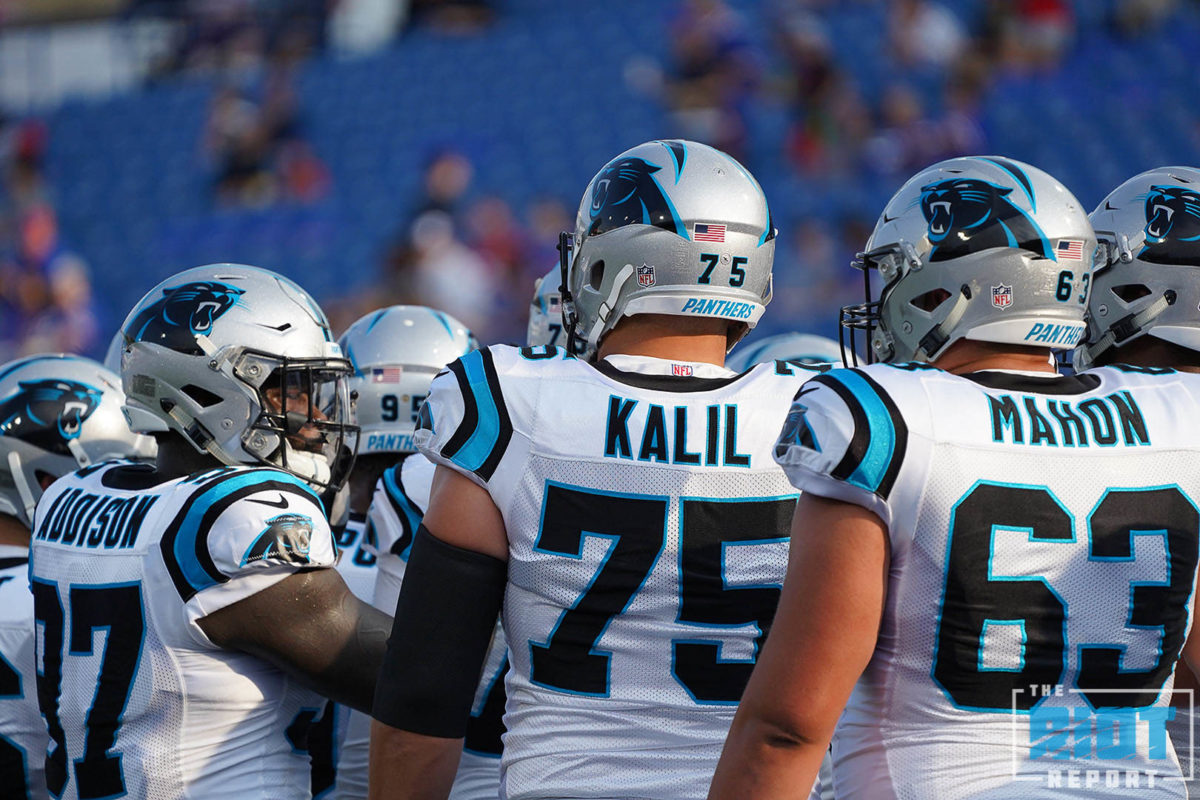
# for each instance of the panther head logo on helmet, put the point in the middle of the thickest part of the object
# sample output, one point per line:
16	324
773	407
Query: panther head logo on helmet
627	193
966	215
182	313
1172	225
48	413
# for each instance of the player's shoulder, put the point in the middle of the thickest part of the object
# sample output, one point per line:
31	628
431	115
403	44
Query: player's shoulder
477	404
508	364
233	519
848	424
1127	376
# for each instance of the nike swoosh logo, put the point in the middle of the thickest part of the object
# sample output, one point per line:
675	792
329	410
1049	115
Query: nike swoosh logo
283	503
1108	206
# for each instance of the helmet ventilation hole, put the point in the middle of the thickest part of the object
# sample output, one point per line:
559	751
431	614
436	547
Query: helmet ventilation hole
1131	291
930	300
596	275
203	397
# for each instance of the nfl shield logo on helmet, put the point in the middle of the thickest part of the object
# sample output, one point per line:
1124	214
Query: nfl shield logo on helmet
1002	296
645	275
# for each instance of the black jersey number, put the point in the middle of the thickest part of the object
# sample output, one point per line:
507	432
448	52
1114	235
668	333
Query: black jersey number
973	597
12	757
570	660
116	610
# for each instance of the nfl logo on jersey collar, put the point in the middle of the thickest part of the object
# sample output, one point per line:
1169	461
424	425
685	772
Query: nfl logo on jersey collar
645	275
1002	296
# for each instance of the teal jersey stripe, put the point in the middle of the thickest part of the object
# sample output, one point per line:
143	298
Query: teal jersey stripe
483	439
874	465
189	528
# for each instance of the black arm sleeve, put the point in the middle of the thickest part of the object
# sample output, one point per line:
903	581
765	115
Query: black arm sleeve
445	616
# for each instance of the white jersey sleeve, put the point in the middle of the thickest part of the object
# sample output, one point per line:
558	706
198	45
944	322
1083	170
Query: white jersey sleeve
466	424
241	534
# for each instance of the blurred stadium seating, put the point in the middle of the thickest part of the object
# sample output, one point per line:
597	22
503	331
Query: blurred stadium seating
538	101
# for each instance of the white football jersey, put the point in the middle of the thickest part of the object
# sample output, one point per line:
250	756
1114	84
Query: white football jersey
23	737
1043	535
647	528
401	497
137	699
332	738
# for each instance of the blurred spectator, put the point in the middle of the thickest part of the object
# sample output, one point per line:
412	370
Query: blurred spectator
237	143
902	143
909	140
831	122
237	37
364	26
494	233
46	291
547	218
446	179
451	276
26	151
922	33
259	154
1134	17
713	72
1027	34
812	281
452	16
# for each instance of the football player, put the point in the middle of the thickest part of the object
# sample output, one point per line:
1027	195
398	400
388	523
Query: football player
1000	557
395	352
1143	313
545	311
208	575
626	513
57	413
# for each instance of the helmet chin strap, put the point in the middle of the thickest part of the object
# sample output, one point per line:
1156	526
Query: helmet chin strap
606	307
23	488
936	338
1129	326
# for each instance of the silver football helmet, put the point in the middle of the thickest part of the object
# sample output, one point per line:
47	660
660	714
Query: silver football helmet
982	248
395	352
668	227
58	413
1148	271
545	312
241	363
805	348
